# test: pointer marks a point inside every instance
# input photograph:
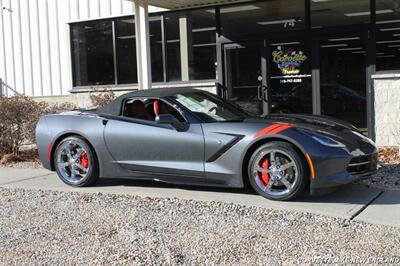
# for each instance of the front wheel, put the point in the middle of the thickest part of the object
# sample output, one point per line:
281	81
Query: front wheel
75	162
277	171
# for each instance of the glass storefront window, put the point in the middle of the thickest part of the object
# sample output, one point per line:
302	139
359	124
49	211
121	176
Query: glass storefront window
388	36
202	49
173	48
277	15
156	49
343	78
126	50
289	75
92	53
325	13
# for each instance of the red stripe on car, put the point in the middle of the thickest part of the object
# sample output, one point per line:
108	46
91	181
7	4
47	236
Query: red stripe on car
272	129
280	129
266	130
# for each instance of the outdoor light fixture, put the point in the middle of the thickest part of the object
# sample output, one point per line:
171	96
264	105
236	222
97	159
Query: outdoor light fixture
367	13
8	9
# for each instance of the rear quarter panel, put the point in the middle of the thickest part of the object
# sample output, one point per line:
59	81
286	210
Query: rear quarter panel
52	129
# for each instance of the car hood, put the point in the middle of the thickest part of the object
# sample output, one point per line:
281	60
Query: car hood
311	122
339	130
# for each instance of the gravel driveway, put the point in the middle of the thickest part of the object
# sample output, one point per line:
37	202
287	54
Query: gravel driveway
39	227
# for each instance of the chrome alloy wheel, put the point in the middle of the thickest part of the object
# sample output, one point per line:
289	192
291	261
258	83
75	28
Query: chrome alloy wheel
73	161
275	172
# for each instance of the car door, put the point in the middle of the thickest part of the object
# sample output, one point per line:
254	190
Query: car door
148	147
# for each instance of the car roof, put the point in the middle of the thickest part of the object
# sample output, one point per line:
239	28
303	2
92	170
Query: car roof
115	107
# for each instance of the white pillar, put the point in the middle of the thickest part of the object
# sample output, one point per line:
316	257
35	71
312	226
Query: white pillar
142	44
183	36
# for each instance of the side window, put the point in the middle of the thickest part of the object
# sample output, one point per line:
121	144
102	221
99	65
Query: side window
148	109
136	108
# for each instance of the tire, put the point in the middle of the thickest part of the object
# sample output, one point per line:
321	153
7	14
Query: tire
75	162
277	171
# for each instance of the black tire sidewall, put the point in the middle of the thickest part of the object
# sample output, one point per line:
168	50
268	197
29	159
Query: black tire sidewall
92	175
298	160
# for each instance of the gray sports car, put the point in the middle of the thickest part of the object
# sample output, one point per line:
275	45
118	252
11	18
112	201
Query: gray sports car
187	136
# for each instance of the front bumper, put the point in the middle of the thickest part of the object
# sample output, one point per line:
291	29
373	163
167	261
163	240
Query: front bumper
358	167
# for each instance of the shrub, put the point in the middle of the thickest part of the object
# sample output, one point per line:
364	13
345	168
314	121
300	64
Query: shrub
102	98
19	116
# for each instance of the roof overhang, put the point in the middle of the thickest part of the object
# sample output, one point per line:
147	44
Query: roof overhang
182	4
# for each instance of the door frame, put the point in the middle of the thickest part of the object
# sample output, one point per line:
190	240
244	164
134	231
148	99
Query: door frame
263	63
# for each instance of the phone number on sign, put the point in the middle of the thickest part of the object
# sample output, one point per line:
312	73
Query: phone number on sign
291	81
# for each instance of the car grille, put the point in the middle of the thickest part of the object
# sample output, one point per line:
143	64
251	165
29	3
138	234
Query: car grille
363	165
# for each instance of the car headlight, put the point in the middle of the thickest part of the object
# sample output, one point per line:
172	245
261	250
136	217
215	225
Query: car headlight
327	141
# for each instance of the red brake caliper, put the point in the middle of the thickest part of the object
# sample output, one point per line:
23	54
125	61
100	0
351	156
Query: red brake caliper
265	176
84	159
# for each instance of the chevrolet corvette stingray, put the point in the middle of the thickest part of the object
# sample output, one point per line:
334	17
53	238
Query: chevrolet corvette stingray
192	137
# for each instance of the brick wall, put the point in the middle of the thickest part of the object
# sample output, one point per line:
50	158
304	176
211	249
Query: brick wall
387	109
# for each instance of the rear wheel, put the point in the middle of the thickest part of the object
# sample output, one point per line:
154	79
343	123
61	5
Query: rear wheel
276	171
75	162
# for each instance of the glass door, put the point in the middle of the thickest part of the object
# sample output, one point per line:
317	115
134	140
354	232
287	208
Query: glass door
245	76
289	76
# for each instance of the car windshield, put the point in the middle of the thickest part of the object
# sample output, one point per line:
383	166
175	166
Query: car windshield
210	108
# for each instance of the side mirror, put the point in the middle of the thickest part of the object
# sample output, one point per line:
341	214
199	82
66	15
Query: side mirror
170	120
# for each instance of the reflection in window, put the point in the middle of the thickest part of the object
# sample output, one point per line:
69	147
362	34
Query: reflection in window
92	52
343	78
126	50
265	16
156	49
173	47
335	13
290	77
388	36
202	51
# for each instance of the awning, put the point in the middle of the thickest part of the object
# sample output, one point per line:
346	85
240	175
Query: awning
180	4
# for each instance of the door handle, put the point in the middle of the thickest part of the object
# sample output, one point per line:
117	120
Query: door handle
262	93
265	94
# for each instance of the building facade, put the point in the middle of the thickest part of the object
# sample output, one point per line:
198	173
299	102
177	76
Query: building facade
35	57
281	56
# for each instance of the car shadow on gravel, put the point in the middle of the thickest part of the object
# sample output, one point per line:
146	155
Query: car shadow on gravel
348	194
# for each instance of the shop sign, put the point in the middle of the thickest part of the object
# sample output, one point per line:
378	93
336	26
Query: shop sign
289	62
